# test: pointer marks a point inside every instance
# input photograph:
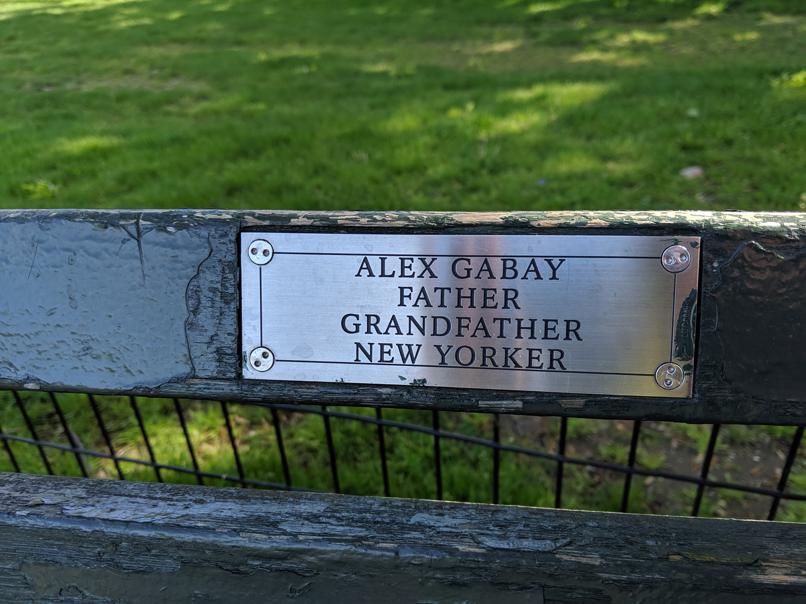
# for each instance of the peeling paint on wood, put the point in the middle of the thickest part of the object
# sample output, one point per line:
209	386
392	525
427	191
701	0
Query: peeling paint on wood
67	539
147	303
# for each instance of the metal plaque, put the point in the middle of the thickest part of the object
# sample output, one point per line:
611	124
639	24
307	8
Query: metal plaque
587	314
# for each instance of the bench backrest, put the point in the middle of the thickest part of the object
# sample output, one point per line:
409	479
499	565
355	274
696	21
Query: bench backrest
148	303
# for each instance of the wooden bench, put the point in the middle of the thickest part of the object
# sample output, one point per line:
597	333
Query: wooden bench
147	304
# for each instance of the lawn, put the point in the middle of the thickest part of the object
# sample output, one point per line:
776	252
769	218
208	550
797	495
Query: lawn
488	105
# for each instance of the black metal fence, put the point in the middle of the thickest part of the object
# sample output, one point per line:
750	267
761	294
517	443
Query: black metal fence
100	436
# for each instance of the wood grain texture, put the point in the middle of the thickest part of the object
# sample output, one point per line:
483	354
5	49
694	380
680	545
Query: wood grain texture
65	539
147	303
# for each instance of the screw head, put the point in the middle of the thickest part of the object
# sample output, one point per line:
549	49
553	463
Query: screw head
676	258
261	252
669	376
261	359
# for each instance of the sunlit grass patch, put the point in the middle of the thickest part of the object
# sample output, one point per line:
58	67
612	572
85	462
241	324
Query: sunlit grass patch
86	145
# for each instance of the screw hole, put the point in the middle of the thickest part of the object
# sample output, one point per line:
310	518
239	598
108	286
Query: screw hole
265	355
257	363
253	251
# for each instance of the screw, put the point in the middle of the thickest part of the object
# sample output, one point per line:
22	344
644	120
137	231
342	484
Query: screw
669	376
261	252
261	359
676	258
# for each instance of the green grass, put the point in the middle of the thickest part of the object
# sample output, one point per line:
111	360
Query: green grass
486	105
454	105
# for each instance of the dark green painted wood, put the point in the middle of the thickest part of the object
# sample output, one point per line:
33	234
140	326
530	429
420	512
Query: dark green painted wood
102	541
147	303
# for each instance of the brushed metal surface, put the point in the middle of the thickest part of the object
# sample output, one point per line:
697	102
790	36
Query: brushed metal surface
587	314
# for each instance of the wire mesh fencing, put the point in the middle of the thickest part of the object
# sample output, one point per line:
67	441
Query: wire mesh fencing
636	466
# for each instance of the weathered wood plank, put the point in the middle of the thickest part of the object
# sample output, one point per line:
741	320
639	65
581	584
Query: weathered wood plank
63	539
147	303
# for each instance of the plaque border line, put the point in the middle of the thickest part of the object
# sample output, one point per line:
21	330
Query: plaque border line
375	254
674	318
309	361
260	285
521	369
